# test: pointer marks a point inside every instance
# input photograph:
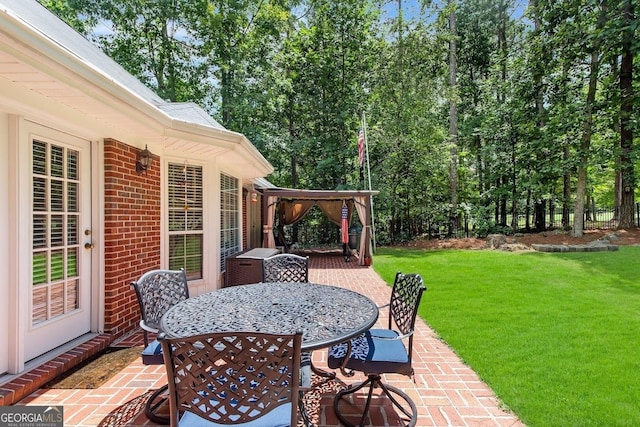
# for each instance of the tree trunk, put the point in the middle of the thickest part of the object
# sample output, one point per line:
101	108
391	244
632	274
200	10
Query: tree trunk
503	201
528	211
539	203
627	183
453	122
615	125
566	188
585	142
539	211
514	191
566	155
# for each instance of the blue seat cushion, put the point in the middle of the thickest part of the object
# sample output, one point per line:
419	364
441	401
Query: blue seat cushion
305	370
377	351
278	417
152	354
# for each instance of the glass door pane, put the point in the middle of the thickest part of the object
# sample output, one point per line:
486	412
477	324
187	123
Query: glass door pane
56	242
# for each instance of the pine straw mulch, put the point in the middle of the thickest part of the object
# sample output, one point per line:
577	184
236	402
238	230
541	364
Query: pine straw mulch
98	370
625	237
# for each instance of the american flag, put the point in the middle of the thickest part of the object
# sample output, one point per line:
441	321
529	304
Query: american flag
344	228
361	146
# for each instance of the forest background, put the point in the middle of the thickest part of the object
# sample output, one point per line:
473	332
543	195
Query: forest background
499	111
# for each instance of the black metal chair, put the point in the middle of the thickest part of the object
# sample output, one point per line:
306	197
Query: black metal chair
245	378
285	268
383	351
157	291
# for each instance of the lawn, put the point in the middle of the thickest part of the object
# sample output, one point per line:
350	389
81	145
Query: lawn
555	335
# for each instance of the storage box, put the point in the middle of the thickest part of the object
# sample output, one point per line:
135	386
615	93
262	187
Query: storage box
246	267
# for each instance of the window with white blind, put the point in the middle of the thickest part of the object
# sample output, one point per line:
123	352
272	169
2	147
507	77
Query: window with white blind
55	242
229	218
185	219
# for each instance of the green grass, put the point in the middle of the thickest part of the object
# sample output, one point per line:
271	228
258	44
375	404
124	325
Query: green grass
555	335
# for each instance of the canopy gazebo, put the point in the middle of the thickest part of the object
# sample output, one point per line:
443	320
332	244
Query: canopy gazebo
293	204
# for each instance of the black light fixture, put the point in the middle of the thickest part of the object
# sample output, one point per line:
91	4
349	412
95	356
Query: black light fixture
144	160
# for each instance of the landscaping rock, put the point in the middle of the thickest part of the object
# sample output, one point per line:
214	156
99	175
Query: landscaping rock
595	246
514	247
495	241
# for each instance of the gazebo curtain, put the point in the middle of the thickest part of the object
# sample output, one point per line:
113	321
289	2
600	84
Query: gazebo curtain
365	241
333	210
269	240
292	211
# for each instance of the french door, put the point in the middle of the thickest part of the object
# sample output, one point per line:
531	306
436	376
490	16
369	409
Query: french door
58	287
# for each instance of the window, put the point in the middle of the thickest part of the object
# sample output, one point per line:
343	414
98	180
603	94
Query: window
185	219
55	245
229	218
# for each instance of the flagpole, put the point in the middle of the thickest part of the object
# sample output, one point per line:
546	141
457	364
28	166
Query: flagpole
366	148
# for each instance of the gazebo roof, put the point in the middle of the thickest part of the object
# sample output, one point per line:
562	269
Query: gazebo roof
298	194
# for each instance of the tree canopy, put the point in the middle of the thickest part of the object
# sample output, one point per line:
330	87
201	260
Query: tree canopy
501	110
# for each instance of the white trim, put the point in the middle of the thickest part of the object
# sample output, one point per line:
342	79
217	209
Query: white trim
195	286
37	337
214	227
97	233
18	226
5	249
238	243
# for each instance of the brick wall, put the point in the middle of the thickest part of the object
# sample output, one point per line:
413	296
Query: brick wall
132	232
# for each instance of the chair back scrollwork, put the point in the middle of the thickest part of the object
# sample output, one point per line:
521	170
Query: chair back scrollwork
157	291
285	268
234	377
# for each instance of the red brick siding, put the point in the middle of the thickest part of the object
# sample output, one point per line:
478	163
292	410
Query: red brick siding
131	232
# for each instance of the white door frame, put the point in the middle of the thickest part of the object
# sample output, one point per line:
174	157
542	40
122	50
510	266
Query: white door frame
20	146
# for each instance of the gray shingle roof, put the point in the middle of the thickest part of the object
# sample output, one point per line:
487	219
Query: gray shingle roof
189	112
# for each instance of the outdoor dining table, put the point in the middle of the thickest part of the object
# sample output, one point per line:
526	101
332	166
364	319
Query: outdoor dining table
325	314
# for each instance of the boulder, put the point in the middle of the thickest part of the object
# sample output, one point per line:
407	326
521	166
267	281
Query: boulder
495	241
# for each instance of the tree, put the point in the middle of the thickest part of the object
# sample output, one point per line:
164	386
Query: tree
578	213
627	183
68	12
453	119
477	111
151	40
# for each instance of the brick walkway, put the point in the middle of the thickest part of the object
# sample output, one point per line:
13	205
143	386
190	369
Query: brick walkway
446	392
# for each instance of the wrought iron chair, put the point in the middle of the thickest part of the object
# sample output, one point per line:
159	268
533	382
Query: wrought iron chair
157	291
233	377
292	268
383	351
285	268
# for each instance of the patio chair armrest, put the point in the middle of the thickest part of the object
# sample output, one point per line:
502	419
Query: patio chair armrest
148	328
397	337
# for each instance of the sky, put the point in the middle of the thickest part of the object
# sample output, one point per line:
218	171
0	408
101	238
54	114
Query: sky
411	8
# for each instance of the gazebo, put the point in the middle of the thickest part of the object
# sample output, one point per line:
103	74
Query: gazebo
293	204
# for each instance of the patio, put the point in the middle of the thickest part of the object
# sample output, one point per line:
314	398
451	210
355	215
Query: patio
447	392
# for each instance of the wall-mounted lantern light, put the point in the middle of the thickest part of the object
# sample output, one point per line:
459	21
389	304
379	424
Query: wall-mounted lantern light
144	161
254	194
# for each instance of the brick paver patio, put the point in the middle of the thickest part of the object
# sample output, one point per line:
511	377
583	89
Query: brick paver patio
446	392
